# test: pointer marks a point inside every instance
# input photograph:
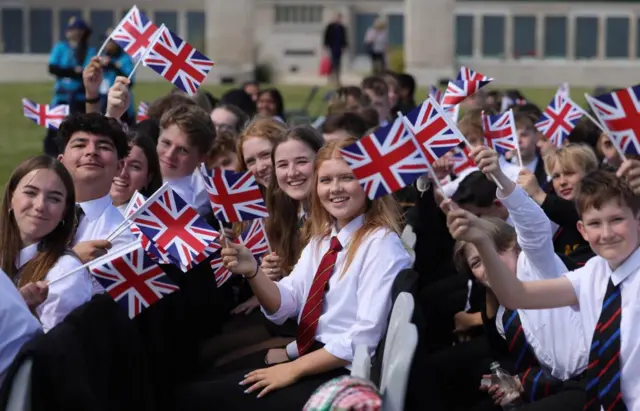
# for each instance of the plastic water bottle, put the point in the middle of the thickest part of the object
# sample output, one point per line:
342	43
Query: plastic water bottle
511	399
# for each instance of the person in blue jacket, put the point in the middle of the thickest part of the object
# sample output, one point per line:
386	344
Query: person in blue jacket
116	62
68	59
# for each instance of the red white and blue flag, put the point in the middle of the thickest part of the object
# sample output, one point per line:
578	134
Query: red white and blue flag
254	237
386	160
178	61
132	279
500	132
234	196
156	253
134	33
434	133
173	225
220	272
458	90
462	160
436	93
143	107
44	115
619	113
466	74
559	119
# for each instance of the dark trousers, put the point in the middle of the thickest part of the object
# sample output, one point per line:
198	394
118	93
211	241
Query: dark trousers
572	397
224	393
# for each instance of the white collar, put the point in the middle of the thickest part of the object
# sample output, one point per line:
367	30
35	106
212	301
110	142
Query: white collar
630	265
344	235
26	254
95	208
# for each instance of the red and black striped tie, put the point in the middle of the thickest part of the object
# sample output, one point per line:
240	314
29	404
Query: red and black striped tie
603	373
313	307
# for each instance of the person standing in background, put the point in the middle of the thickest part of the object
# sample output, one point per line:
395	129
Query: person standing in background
335	42
376	40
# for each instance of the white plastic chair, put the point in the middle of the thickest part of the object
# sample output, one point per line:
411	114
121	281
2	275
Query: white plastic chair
361	365
400	314
20	395
395	372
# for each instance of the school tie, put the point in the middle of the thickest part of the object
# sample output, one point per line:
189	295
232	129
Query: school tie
76	221
536	382
313	306
603	372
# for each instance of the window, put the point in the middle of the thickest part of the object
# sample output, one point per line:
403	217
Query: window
298	14
617	45
40	30
64	17
464	35
396	29
168	18
555	37
100	21
586	44
196	30
12	31
524	36
493	36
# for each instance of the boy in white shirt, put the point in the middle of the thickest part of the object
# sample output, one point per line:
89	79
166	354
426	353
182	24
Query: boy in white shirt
605	289
186	136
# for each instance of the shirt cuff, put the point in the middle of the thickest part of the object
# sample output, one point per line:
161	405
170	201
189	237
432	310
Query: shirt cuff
292	350
287	307
342	348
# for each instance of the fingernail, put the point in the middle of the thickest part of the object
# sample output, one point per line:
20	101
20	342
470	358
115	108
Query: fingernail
246	391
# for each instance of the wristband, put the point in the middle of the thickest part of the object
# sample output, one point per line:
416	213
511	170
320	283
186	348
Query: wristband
92	100
254	274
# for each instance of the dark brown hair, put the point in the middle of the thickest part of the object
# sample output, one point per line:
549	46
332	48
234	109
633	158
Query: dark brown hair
376	84
352	123
601	186
287	239
163	104
154	175
53	245
225	142
194	122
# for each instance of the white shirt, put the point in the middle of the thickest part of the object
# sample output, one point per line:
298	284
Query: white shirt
556	335
590	285
17	324
100	219
64	295
192	190
509	169
356	307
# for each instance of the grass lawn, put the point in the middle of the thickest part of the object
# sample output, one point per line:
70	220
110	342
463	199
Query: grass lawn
20	138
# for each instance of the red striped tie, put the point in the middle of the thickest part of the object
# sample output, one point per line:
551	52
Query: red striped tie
313	307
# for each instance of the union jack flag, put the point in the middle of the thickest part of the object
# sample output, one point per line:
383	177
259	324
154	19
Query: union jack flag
507	102
255	239
386	160
142	112
134	33
234	196
461	159
466	74
619	113
564	89
500	132
174	226
459	90
220	272
178	61
132	279
436	93
44	115
559	119
433	131
155	252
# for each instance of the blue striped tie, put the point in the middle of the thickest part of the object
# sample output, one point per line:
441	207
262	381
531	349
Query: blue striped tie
603	372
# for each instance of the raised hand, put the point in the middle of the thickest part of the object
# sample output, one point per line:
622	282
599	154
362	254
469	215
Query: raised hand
238	259
92	78
118	98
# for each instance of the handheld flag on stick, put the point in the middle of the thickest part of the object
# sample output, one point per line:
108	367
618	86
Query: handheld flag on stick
45	115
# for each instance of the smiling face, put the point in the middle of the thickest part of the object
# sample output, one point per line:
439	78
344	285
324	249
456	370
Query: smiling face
256	152
565	181
266	105
92	161
38	205
294	168
178	157
133	176
339	191
612	231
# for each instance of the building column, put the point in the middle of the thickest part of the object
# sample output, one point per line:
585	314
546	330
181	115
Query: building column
229	34
429	35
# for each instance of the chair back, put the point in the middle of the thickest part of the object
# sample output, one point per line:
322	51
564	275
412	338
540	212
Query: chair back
20	392
396	368
400	315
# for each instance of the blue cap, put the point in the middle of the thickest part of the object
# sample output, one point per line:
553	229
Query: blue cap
77	23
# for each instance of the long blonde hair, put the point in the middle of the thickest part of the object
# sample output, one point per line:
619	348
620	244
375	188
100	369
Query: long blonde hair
379	213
